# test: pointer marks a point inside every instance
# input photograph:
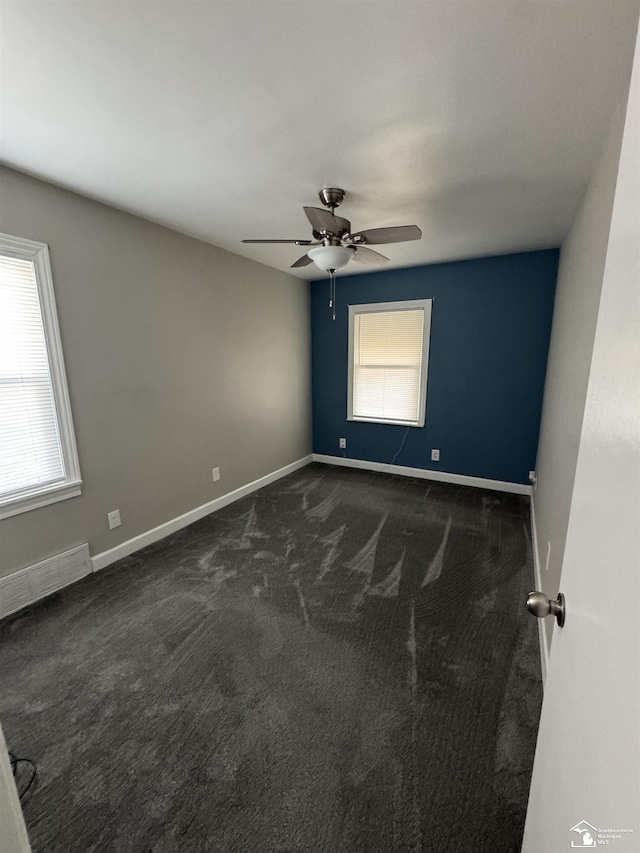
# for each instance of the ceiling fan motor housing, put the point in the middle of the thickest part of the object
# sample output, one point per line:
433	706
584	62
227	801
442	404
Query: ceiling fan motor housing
331	197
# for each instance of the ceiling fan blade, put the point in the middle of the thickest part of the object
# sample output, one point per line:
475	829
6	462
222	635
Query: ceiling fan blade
297	242
324	220
394	234
304	261
369	257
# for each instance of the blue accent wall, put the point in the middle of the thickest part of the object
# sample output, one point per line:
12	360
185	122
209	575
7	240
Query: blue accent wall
490	332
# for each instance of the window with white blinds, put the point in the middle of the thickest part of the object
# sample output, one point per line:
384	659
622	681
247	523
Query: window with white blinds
38	460
388	355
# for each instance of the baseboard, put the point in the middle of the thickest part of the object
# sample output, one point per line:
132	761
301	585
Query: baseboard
124	549
422	473
542	633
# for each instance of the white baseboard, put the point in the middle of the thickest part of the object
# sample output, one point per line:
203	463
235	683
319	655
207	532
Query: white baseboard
104	559
424	474
542	633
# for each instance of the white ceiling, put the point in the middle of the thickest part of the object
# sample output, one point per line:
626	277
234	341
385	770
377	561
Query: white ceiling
478	120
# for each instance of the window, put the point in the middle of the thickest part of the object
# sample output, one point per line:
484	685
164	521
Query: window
38	458
388	355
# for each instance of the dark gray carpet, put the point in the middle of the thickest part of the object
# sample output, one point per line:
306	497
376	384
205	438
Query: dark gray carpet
341	662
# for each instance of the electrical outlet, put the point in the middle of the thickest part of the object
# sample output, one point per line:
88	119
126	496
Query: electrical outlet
546	565
435	455
343	443
114	519
216	474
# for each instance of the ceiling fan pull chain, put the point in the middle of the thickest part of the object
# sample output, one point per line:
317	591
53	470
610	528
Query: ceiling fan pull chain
330	291
333	292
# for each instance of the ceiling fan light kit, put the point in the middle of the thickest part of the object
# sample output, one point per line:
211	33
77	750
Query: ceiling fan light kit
331	257
334	243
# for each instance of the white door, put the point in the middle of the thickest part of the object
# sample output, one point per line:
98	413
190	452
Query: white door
13	835
585	790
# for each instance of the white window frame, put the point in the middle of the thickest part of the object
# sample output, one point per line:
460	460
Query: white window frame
23	500
409	305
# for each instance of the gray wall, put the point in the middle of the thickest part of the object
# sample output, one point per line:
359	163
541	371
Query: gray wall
582	259
180	356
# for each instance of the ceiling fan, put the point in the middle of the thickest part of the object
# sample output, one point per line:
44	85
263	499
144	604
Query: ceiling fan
335	243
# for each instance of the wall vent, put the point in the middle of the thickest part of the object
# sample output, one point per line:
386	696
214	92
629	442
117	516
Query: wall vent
38	581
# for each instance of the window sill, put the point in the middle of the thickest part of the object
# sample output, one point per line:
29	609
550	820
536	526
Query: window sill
42	496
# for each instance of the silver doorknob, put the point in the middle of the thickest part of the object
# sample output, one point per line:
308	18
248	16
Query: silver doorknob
539	605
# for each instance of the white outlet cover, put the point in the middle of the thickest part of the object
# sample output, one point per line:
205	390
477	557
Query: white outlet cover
114	519
216	474
343	442
435	455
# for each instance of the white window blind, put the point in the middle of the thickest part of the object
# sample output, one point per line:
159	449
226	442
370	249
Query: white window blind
388	362
37	452
30	451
